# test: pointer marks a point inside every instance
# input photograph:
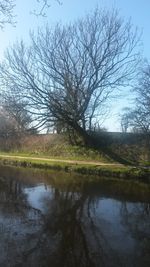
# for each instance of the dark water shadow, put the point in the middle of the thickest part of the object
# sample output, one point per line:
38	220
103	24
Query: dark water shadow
54	219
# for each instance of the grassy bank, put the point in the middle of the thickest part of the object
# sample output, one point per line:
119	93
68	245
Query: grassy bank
126	148
53	151
51	146
83	167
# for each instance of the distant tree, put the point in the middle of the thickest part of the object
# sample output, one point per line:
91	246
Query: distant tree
70	72
7	125
125	120
138	117
16	112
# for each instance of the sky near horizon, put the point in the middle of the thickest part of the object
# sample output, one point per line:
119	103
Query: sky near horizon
70	10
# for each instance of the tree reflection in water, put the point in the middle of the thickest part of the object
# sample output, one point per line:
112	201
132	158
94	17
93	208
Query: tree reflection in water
136	219
68	226
20	224
73	217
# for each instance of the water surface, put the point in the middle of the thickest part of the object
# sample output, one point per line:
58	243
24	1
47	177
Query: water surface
54	219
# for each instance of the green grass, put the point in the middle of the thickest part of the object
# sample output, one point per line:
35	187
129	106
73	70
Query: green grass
57	147
126	148
72	153
121	172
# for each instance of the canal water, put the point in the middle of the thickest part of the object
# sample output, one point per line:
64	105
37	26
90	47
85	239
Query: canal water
65	220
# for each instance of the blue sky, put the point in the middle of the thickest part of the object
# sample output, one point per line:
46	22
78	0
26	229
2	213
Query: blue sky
137	10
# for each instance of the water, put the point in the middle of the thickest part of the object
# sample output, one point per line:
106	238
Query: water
55	219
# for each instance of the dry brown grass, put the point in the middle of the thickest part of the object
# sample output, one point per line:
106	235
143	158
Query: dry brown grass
42	143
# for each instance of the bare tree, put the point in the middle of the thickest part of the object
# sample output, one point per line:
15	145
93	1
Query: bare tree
16	113
9	135
139	116
70	72
43	6
136	120
6	125
7	10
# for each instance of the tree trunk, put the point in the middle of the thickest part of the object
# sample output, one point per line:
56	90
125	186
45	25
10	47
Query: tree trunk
87	138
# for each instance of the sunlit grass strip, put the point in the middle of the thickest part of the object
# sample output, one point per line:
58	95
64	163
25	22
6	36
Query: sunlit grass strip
109	171
95	157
